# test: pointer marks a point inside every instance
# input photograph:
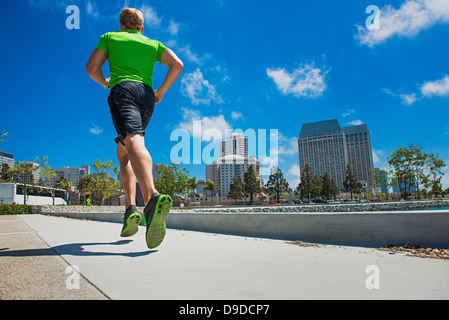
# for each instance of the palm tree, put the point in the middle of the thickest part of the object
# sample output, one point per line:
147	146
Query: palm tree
192	184
209	186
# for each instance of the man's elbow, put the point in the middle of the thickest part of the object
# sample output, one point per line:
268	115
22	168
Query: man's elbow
91	68
178	65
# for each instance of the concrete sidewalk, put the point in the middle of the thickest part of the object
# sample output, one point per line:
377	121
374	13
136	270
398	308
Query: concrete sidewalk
194	265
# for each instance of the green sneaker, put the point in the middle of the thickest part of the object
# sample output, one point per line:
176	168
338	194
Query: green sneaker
155	213
131	222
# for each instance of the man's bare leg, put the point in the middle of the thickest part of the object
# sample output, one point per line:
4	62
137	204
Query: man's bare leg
142	164
132	218
127	175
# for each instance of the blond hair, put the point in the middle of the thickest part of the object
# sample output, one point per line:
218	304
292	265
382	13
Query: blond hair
131	18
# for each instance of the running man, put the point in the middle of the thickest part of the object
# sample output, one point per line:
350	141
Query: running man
132	58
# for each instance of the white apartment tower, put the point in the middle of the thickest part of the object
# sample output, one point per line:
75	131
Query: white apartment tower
233	161
234	144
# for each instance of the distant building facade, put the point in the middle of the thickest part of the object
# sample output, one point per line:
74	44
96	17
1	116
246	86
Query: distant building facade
73	175
30	174
233	161
327	147
234	144
6	158
223	170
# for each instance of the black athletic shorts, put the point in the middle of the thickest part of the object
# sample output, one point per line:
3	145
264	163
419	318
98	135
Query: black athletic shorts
131	105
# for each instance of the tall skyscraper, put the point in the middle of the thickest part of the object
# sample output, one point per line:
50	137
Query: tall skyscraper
233	161
360	156
234	144
326	147
322	145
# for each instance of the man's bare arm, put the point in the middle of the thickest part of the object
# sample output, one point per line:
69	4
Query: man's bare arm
175	64
94	65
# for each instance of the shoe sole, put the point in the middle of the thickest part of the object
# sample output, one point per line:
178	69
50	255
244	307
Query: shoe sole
156	228
132	226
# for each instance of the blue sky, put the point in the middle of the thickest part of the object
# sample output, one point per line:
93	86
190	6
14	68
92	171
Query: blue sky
247	64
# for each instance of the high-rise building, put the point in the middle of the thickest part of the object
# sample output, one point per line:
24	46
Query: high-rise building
6	158
30	173
74	175
233	161
234	144
224	169
326	147
360	156
322	145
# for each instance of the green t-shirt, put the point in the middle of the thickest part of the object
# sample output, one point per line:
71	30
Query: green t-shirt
131	55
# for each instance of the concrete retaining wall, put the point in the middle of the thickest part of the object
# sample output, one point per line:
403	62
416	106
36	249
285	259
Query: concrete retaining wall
428	228
372	229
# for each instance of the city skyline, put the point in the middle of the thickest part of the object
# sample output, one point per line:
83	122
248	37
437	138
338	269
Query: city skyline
308	62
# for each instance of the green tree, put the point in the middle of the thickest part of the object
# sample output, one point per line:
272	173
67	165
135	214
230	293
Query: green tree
412	167
101	184
236	189
276	182
49	178
251	183
315	189
192	184
380	179
3	136
306	182
334	189
209	186
23	173
350	184
6	173
326	188
434	168
173	180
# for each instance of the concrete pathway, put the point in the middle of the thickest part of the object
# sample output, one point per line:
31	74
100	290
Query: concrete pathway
193	265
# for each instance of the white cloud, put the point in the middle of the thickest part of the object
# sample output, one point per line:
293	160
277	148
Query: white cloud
173	27
376	156
92	9
294	170
407	99
409	20
235	115
193	57
429	89
436	88
150	16
198	89
348	112
355	122
214	122
287	145
305	81
95	130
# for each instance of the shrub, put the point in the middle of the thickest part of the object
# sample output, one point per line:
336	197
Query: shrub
10	209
